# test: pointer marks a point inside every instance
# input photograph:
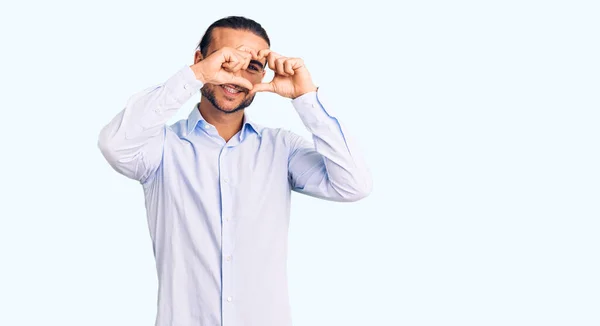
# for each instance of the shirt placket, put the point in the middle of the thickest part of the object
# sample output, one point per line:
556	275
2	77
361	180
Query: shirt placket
227	238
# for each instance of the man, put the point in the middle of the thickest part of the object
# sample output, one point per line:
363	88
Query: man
218	185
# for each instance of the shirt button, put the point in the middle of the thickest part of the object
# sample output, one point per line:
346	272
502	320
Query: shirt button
229	299
226	180
186	86
207	126
228	258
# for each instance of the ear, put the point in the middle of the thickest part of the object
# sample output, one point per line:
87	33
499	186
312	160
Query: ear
198	56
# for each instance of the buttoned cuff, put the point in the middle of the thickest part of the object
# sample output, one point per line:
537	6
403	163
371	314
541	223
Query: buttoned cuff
175	92
313	108
183	85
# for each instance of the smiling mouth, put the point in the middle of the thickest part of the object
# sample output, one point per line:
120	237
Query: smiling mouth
233	89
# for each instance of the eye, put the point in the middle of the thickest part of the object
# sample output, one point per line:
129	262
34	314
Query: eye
255	68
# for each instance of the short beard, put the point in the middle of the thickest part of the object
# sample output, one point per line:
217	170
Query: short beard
210	96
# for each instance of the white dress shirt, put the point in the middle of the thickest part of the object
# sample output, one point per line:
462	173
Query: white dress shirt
218	212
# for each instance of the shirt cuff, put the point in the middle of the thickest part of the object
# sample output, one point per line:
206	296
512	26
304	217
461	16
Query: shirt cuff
183	85
313	108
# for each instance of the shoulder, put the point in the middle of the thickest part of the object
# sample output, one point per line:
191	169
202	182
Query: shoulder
278	134
283	138
179	128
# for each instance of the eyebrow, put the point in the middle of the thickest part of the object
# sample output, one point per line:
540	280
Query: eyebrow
256	62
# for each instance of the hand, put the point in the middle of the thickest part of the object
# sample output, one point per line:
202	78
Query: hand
220	67
291	79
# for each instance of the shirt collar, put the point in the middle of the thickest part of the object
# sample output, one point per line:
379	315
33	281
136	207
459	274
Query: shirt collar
195	118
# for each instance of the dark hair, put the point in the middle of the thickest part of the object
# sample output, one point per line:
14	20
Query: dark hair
235	22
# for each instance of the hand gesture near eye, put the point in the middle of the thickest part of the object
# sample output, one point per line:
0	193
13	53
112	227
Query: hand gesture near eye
291	78
220	67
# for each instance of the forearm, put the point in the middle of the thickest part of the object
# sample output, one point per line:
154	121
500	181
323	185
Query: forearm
132	141
345	170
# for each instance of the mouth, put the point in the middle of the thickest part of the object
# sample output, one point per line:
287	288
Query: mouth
233	90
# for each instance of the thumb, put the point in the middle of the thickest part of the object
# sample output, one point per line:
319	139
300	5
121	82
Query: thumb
241	81
263	87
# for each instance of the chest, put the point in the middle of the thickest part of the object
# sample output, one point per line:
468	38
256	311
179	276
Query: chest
253	167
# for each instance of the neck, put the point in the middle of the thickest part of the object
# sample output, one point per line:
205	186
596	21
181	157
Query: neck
227	124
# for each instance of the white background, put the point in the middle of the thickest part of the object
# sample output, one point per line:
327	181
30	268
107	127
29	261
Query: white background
479	120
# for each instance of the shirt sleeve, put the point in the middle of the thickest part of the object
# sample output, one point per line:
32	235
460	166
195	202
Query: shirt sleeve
132	142
330	167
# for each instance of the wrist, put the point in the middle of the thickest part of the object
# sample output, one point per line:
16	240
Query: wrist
305	90
196	68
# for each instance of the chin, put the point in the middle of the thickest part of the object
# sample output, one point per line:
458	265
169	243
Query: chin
227	105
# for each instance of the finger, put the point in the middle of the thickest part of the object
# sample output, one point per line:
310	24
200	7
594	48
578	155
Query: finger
280	70
271	59
297	63
245	55
244	60
238	63
263	87
241	81
288	66
247	49
231	66
230	60
228	66
263	54
229	55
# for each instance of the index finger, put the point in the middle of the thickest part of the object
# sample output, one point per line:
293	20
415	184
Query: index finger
271	57
263	53
250	50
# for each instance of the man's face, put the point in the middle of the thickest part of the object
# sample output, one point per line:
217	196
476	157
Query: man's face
216	94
